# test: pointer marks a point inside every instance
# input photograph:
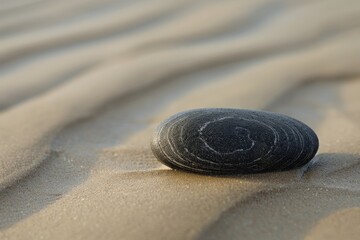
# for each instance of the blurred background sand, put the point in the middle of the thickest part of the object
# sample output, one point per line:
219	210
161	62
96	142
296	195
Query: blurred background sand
83	83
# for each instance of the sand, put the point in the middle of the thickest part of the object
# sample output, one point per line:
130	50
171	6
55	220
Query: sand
84	83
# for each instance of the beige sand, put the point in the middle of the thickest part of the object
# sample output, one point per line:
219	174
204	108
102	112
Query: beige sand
83	83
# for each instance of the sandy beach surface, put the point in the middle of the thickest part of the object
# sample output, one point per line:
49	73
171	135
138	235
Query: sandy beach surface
83	84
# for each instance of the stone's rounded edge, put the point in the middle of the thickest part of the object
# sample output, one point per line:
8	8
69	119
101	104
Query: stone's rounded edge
199	169
312	136
314	146
156	148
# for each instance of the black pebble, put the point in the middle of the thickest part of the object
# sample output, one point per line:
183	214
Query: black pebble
233	141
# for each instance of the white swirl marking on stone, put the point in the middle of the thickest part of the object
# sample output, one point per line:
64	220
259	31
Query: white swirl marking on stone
232	152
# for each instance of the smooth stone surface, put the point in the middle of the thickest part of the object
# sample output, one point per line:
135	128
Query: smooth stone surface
233	141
